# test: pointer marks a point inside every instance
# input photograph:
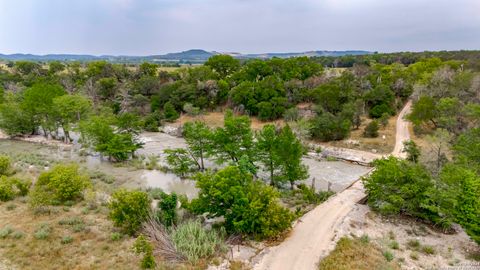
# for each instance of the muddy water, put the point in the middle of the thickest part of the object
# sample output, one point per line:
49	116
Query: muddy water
335	175
44	156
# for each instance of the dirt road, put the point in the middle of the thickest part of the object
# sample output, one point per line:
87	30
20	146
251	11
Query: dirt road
312	237
402	133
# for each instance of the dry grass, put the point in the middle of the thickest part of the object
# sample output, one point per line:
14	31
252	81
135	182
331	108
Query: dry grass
355	253
381	145
215	119
91	247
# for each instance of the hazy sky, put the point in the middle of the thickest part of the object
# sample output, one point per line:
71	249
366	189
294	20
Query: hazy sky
142	27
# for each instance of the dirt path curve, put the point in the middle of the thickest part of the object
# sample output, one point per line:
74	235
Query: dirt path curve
312	236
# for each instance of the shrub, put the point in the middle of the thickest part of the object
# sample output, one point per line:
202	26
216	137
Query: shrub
371	130
129	209
67	240
327	127
43	232
388	255
18	234
249	207
384	119
378	110
291	114
394	245
115	236
414	256
142	246
190	109
62	183
7	191
5	164
194	242
429	250
12	187
169	112
413	244
398	186
168	209
5	232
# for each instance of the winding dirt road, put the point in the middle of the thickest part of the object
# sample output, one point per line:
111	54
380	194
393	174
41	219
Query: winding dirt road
312	237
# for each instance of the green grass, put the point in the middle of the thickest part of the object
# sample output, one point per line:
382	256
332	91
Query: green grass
195	242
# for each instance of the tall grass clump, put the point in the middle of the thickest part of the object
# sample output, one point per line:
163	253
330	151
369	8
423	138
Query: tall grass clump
195	242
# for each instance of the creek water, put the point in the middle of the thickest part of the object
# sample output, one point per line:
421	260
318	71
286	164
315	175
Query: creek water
335	175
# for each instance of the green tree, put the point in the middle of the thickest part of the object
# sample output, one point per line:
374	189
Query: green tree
70	109
180	161
14	120
168	209
267	146
148	69
371	130
129	209
234	139
458	196
412	150
328	127
249	207
397	186
143	246
223	64
423	110
169	112
199	139
37	102
290	151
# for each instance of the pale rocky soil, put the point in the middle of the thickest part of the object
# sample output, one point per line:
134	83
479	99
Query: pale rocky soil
450	249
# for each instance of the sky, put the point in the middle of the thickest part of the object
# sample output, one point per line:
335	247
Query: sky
146	27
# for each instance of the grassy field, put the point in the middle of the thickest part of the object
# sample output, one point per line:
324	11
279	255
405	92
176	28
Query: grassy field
65	237
358	254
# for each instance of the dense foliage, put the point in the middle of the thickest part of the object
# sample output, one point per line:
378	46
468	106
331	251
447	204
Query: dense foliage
129	209
62	183
249	207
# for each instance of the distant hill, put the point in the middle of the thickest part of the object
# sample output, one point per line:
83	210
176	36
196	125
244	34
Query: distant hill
190	56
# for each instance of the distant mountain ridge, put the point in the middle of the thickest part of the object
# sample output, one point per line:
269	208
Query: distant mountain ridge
192	56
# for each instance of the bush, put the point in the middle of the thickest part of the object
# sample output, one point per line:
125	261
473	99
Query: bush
398	186
168	209
5	232
143	246
327	127
194	242
388	255
291	114
4	165
43	232
249	207
129	209
371	130
169	112
378	110
12	187
67	240
190	109
61	184
429	250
